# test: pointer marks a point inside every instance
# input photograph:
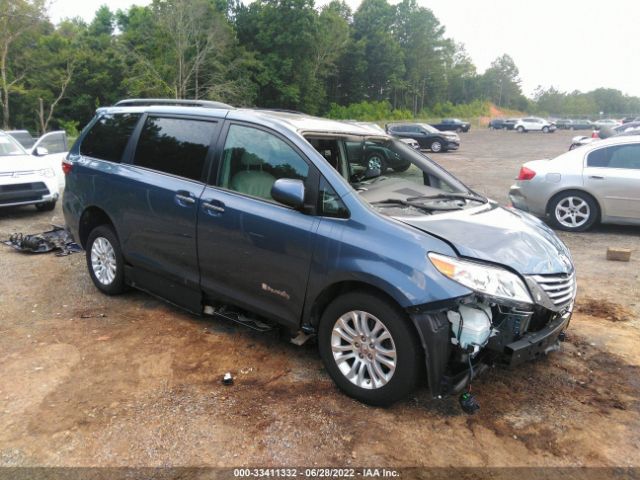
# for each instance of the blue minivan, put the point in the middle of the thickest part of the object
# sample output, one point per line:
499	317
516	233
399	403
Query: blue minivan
266	217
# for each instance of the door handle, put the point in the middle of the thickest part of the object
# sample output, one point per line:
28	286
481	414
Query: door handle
185	197
596	177
213	208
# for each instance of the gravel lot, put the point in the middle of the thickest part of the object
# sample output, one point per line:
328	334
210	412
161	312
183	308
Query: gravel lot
90	380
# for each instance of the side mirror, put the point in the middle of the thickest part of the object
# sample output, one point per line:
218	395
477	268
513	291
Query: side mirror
289	192
40	152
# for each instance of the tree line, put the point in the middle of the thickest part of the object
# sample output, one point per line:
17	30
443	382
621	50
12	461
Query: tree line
388	60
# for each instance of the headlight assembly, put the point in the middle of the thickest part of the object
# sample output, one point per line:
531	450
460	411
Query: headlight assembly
489	280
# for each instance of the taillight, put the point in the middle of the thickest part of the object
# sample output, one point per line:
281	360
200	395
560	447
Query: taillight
66	166
526	174
595	134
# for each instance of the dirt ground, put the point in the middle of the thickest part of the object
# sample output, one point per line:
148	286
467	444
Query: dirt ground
91	380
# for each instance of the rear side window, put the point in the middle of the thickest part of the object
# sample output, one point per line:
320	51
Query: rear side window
618	156
175	146
108	137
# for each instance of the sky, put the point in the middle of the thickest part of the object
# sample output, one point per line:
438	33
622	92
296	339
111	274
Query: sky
567	44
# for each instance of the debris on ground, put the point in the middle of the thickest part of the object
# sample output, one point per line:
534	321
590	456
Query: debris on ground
58	239
619	254
603	308
92	315
468	403
227	379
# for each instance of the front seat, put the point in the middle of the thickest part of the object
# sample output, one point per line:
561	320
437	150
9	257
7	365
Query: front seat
252	180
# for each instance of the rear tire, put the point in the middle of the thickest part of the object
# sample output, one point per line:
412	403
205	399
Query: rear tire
383	368
521	129
377	160
573	211
46	206
105	260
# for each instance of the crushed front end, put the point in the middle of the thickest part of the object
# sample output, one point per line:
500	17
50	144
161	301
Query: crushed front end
461	338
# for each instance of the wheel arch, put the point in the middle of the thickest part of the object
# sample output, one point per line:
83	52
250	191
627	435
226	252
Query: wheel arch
334	290
91	218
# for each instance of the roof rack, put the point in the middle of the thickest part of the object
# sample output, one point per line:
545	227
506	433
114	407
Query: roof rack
281	110
148	102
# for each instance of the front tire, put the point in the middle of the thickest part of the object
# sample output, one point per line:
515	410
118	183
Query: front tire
573	211
369	348
402	168
545	129
520	129
105	260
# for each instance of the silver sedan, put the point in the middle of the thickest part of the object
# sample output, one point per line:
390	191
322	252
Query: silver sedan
595	183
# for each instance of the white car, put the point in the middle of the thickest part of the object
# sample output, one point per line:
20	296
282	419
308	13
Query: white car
55	143
26	179
606	122
534	124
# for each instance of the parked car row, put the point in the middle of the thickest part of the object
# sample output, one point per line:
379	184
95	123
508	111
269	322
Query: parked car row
606	132
569	124
452	125
523	125
502	123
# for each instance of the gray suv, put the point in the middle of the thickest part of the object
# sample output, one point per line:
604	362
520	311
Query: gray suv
270	217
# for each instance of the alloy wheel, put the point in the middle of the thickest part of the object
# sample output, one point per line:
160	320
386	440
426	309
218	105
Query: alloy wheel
363	349
375	162
103	260
572	212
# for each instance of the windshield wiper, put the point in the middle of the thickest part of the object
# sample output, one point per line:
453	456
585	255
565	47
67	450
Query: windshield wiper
444	196
409	203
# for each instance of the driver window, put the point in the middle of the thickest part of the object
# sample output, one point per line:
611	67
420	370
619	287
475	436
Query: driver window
253	160
332	152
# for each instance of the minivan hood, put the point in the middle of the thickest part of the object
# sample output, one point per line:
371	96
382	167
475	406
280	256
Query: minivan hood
499	235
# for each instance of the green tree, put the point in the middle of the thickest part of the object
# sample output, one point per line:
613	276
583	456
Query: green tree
20	25
383	64
283	33
501	82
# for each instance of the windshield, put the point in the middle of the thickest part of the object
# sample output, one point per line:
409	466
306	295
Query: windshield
9	147
394	177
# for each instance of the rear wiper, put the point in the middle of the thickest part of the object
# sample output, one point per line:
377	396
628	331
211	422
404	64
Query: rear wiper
414	204
438	196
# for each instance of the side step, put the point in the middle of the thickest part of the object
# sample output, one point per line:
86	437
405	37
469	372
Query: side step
238	317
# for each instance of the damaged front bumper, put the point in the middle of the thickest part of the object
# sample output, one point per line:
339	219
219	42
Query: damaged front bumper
519	336
534	344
